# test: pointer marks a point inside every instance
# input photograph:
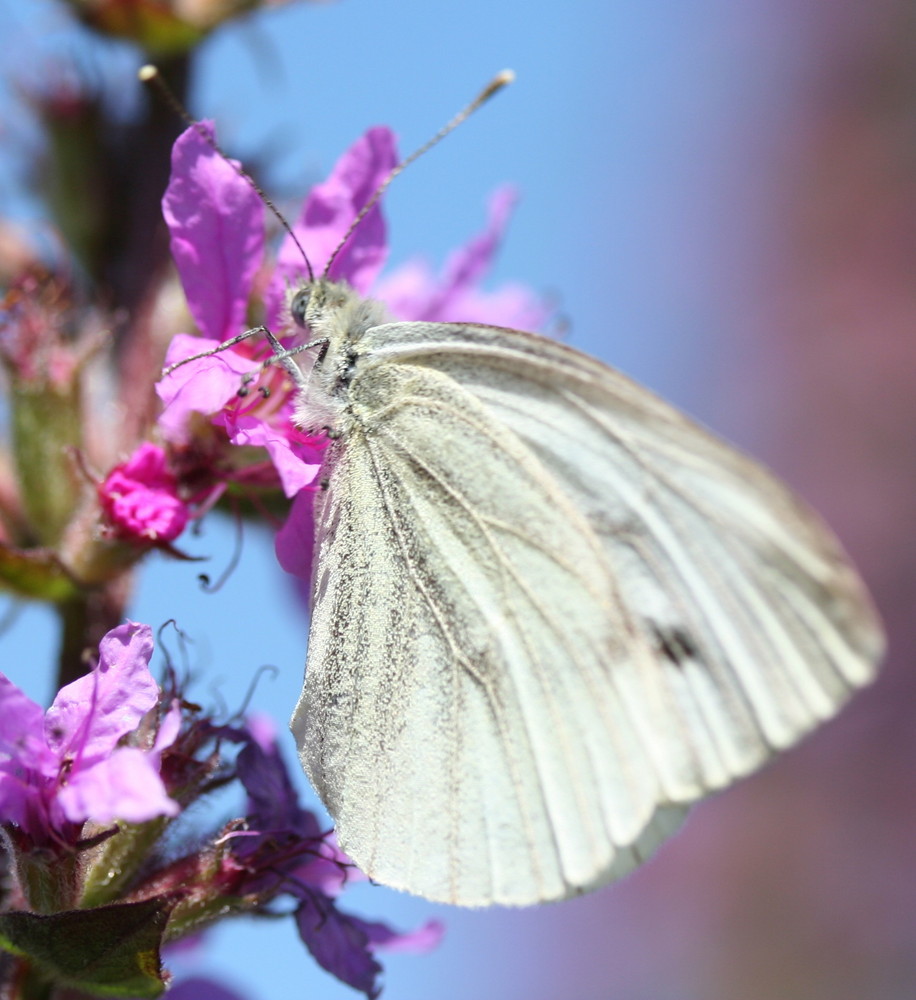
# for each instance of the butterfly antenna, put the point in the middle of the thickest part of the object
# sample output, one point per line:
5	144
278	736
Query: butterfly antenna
151	76
499	81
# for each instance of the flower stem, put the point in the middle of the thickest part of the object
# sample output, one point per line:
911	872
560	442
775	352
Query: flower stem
84	620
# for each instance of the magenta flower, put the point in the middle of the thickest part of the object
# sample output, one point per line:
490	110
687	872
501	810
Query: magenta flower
216	222
64	766
140	498
327	214
414	292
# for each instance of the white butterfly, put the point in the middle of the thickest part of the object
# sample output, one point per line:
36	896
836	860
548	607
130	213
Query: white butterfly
549	611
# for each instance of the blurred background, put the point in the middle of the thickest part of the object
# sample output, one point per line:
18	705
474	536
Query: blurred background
721	200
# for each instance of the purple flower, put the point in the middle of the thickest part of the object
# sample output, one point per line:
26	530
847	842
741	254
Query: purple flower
216	222
315	871
201	988
413	292
328	213
205	385
346	946
140	498
64	766
216	225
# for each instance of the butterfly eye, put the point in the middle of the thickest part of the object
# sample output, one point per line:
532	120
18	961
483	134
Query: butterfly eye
299	305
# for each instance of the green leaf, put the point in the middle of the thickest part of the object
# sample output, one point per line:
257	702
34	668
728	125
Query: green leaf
112	951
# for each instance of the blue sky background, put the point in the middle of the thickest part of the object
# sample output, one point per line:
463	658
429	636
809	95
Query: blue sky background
650	141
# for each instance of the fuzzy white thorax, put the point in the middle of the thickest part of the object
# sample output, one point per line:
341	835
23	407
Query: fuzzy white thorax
333	313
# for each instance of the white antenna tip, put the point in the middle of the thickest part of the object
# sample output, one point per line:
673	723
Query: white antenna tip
147	73
499	81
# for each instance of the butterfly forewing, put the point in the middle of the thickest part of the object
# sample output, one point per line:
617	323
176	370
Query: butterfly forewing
467	728
549	610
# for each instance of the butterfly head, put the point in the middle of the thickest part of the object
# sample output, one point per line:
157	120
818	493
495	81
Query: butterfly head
312	303
332	310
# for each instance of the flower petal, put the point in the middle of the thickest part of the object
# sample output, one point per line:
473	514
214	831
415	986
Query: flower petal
145	515
91	714
329	211
22	736
20	800
199	988
140	498
147	464
201	386
337	943
296	462
124	786
216	221
512	305
467	266
329	870
412	292
416	942
169	727
296	539
273	804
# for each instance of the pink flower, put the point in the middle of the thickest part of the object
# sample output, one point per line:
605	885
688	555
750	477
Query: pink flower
216	222
327	214
413	292
140	498
64	766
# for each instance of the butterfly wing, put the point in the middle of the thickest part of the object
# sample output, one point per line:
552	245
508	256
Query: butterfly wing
548	611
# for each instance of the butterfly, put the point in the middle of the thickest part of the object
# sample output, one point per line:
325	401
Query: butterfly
549	611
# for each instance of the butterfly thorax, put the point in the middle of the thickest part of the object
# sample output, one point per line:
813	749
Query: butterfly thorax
335	318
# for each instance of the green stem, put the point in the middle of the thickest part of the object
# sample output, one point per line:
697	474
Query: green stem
84	621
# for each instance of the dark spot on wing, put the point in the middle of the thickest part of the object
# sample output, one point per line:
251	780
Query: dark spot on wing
674	643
